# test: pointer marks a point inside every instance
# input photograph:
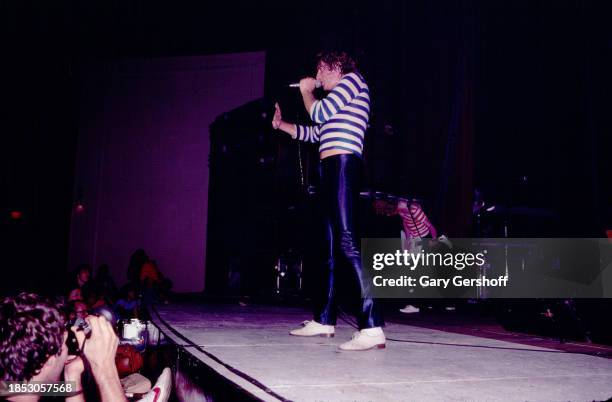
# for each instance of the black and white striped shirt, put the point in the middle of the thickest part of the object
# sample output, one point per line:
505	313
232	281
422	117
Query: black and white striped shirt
342	117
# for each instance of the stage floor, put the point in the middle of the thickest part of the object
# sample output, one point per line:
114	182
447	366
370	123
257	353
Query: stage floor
431	365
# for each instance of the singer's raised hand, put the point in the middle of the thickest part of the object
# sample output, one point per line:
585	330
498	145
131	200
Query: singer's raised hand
277	119
279	124
308	85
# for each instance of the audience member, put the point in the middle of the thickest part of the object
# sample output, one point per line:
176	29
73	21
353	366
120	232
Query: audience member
105	283
81	278
93	297
127	305
77	309
154	287
137	260
33	348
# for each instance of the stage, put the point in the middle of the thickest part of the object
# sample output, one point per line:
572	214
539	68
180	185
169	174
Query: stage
249	347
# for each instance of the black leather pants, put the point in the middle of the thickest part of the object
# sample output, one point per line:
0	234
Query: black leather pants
340	177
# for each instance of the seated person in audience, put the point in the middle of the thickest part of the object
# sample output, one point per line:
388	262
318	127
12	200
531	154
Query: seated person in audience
128	304
33	348
154	286
137	260
75	294
105	284
94	297
77	309
81	279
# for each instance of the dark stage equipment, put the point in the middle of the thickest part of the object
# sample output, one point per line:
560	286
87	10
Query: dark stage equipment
563	319
242	217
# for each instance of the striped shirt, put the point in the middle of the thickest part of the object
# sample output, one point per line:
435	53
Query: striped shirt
342	117
414	220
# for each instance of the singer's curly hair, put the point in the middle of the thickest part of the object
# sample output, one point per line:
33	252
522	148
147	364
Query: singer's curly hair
31	330
338	59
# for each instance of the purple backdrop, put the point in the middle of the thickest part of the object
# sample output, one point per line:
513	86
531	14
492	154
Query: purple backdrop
142	163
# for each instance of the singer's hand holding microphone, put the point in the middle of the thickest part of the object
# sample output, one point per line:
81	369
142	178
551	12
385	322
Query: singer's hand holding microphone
307	84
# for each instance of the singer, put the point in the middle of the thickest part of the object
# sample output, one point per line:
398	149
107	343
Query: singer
341	120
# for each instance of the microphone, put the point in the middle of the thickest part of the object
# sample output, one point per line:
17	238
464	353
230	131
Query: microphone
318	84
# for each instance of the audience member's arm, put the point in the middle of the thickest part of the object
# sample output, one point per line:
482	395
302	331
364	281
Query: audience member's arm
73	371
100	350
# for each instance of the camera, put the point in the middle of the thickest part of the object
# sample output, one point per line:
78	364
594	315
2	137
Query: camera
134	332
71	341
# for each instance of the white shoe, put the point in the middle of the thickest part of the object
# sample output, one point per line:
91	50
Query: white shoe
161	390
409	309
313	328
366	339
444	240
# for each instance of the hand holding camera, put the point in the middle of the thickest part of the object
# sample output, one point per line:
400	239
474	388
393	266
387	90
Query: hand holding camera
97	345
98	342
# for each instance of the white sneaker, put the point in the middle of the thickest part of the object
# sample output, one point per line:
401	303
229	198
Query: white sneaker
313	328
161	390
409	309
444	240
366	339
